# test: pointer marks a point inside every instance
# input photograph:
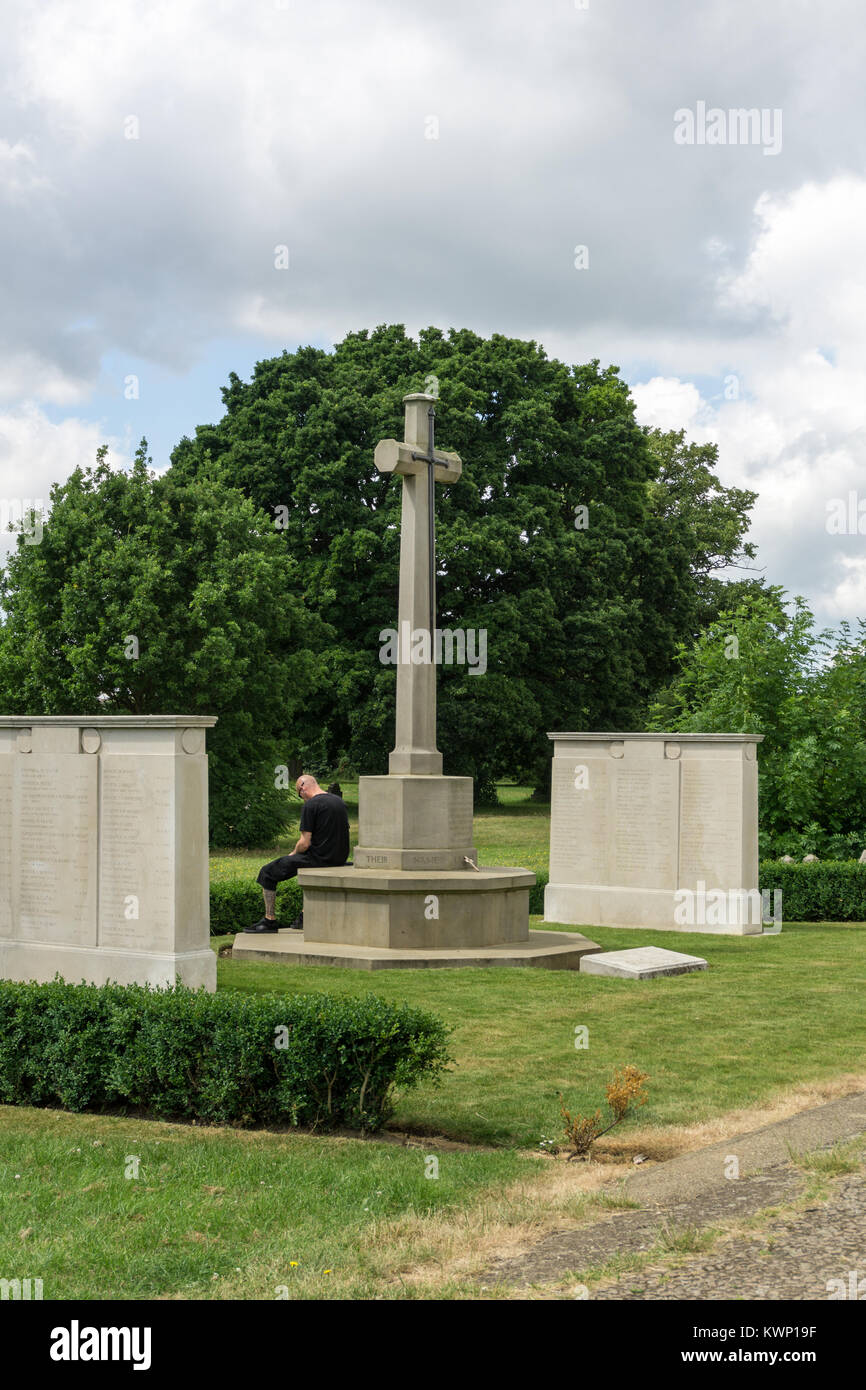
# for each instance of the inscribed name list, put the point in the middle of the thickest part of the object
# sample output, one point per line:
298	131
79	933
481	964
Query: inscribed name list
711	823
137	870
645	801
53	841
6	762
579	820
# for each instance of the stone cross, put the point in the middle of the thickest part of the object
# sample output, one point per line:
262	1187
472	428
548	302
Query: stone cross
415	459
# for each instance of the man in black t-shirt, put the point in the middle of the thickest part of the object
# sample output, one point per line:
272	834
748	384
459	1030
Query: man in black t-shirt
323	841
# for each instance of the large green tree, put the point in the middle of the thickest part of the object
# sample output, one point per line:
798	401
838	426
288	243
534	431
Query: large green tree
152	595
686	495
761	667
582	609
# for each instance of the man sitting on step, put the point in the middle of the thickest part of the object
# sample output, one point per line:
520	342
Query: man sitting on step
323	842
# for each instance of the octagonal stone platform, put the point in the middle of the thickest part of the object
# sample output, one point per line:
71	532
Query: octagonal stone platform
548	950
402	909
373	919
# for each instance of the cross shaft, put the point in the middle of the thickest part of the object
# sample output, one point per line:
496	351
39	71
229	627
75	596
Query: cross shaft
415	751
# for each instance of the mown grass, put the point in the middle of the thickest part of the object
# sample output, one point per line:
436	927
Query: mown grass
768	1013
217	1213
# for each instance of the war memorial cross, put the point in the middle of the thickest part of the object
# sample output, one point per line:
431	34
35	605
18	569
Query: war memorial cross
421	467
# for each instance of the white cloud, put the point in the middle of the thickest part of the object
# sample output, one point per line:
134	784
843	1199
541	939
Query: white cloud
29	375
35	452
18	174
797	432
846	598
666	403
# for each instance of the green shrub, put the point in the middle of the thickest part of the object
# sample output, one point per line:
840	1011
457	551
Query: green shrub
236	903
536	894
812	840
829	891
315	1060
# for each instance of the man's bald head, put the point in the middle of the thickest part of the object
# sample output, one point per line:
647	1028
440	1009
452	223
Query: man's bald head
307	786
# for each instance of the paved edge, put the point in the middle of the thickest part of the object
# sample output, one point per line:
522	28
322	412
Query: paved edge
693	1173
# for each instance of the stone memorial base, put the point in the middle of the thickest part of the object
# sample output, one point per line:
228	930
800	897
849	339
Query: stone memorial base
600	905
641	963
410	822
548	950
31	960
372	919
407	909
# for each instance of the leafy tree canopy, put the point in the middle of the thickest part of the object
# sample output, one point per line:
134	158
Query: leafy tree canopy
258	573
146	595
582	610
760	668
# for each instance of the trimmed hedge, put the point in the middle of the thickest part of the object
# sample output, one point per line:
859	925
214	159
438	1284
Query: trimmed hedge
315	1060
536	894
236	903
829	891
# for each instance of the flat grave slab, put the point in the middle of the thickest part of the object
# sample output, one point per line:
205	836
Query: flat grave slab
641	963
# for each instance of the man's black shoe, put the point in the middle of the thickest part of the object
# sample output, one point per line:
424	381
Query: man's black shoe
298	924
266	924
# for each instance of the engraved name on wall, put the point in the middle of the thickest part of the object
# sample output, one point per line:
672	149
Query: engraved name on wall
6	762
711	823
53	848
137	870
579	820
646	805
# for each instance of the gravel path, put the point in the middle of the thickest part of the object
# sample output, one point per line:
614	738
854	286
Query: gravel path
795	1255
625	1232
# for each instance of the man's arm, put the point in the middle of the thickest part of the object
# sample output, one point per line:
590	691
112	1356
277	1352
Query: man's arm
307	826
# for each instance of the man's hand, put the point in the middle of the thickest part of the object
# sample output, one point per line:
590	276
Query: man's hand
303	843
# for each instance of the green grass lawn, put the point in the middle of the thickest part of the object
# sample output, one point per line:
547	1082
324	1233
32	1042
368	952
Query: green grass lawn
769	1012
216	1213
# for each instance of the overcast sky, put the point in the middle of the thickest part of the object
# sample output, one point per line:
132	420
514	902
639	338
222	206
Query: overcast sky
440	164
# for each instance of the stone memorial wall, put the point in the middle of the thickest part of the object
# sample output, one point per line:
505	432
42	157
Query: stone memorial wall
655	830
104	849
